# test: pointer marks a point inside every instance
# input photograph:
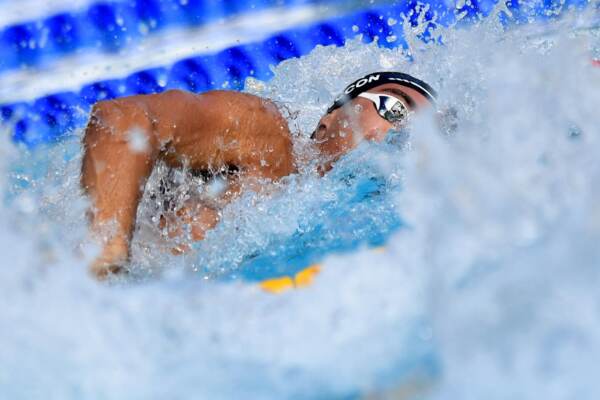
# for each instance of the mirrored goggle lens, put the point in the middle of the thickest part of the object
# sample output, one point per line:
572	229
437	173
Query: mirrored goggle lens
393	111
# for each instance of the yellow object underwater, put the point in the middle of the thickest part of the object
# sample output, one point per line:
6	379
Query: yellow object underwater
301	279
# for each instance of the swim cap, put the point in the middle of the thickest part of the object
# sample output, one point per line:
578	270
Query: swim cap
374	79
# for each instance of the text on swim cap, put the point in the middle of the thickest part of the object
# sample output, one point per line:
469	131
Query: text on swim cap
361	82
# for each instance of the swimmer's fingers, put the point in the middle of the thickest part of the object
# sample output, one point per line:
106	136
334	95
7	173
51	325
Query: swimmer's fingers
194	219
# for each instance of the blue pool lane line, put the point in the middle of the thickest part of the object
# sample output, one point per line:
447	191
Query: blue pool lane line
51	117
111	26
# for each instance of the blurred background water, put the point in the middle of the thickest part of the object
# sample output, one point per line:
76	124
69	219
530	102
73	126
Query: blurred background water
455	264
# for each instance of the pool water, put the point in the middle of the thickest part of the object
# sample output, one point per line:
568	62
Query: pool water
485	288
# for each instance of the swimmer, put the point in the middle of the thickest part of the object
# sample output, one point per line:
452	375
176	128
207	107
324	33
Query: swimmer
240	137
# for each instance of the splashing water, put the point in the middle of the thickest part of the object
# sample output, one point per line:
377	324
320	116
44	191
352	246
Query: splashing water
486	287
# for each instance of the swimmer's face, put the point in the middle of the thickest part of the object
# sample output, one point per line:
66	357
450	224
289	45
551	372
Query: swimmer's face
344	128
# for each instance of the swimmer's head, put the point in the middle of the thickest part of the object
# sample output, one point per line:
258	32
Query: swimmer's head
367	109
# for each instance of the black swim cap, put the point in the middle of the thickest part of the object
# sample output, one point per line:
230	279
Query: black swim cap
374	79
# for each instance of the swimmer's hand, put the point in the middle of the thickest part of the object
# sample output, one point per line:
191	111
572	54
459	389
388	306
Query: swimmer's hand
103	271
111	262
191	221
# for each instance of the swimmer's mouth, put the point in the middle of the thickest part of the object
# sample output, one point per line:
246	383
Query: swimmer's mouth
313	136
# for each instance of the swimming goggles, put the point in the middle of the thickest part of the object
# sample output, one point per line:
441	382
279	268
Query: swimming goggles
388	107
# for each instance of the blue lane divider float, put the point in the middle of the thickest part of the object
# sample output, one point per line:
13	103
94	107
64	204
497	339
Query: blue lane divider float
49	118
111	26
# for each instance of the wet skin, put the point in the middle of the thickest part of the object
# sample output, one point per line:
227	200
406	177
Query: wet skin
213	131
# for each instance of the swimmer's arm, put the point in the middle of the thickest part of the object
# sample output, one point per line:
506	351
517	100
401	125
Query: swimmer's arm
126	136
122	141
119	152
